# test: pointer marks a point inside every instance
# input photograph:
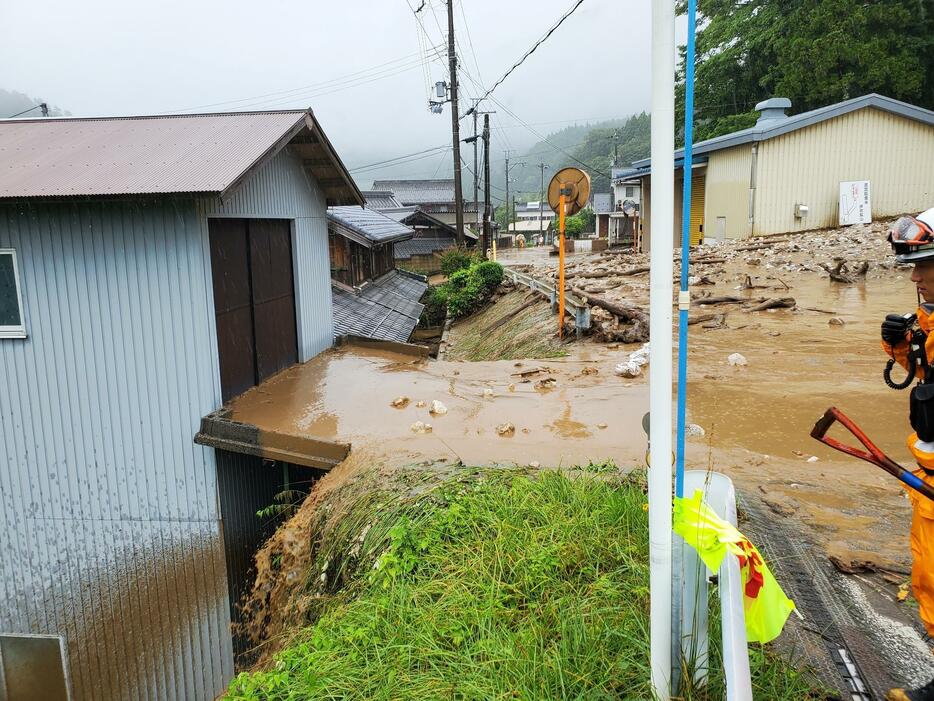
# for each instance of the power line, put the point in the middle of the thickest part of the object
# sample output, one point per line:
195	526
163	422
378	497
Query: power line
382	70
399	160
532	50
470	41
44	107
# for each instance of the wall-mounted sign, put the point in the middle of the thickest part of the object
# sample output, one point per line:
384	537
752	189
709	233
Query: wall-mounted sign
855	203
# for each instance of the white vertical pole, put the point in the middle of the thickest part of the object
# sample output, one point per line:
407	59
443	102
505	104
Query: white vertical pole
660	370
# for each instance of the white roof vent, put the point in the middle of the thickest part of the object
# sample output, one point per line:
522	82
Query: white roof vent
772	110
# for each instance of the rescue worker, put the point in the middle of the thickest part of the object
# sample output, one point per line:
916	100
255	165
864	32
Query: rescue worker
908	339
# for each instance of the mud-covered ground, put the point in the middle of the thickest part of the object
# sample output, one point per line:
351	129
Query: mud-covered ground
814	504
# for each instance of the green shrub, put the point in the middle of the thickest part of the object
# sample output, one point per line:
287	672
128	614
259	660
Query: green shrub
436	304
491	273
455	259
465	291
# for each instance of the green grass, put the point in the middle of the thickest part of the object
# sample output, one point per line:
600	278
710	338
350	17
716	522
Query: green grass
501	585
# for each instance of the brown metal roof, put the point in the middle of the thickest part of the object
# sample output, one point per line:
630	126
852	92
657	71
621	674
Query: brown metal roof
197	153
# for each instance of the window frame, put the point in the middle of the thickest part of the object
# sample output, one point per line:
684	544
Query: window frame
18	332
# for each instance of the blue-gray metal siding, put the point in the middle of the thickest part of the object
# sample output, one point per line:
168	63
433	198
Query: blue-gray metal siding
283	190
110	523
110	529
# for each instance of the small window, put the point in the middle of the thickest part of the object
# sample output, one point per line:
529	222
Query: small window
12	323
630	191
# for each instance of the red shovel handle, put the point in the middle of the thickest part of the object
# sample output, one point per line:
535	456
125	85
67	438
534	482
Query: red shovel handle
872	454
834	415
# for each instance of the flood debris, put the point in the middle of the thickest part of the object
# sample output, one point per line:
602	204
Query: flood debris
737	359
437	408
400	402
506	430
421	427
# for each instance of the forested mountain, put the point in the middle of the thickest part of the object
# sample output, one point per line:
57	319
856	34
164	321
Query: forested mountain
590	147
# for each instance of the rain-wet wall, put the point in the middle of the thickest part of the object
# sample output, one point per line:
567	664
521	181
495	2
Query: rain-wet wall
110	530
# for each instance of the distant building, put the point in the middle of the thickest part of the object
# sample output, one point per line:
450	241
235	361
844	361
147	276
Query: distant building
151	268
784	174
435	197
602	203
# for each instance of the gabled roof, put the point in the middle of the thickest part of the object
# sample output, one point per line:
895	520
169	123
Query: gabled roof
411	192
381	199
367	226
770	128
205	154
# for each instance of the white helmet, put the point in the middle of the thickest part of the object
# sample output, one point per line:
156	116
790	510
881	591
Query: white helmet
912	238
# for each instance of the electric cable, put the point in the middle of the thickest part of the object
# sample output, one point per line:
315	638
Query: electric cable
528	53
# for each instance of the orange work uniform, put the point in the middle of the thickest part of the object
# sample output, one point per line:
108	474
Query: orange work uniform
922	519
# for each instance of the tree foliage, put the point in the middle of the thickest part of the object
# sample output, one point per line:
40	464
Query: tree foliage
815	52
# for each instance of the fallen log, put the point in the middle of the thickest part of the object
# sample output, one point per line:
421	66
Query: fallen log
701	318
760	246
638	320
748	284
726	299
821	311
777	303
635	271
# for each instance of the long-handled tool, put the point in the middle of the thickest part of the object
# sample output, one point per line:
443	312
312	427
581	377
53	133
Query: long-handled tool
874	455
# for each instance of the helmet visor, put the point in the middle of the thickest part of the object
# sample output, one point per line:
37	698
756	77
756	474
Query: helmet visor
909	231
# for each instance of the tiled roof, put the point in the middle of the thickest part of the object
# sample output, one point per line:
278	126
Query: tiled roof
387	309
381	199
369	224
410	192
421	247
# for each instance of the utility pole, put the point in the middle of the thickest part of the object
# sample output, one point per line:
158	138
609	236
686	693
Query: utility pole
615	148
476	172
486	183
455	128
507	191
541	206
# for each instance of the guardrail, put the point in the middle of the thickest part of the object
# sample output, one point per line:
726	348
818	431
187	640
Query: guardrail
580	309
690	577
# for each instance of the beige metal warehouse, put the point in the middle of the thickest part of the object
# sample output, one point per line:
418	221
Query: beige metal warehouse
752	182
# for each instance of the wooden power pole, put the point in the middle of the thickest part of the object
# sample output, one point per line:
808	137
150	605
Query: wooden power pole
455	128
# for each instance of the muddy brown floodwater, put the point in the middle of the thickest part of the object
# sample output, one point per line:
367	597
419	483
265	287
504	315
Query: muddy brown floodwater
757	417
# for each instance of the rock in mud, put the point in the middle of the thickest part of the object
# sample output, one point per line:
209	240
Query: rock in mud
737	359
511	387
437	408
506	430
836	321
695	430
420	405
487	393
546	384
590	371
400	402
421	427
601	425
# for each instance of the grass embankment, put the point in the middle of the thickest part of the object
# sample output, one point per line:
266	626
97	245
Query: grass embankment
516	327
494	585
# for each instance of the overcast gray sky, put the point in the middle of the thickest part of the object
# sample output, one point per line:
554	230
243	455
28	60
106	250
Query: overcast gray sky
121	57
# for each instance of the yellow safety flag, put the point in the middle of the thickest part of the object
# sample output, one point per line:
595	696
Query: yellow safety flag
765	604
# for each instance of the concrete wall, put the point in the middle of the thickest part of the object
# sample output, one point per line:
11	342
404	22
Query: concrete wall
110	530
728	173
893	153
111	533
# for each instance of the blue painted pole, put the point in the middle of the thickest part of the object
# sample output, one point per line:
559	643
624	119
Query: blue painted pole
684	296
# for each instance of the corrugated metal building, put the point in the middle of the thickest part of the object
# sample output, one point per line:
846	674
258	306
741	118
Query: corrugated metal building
750	182
122	243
